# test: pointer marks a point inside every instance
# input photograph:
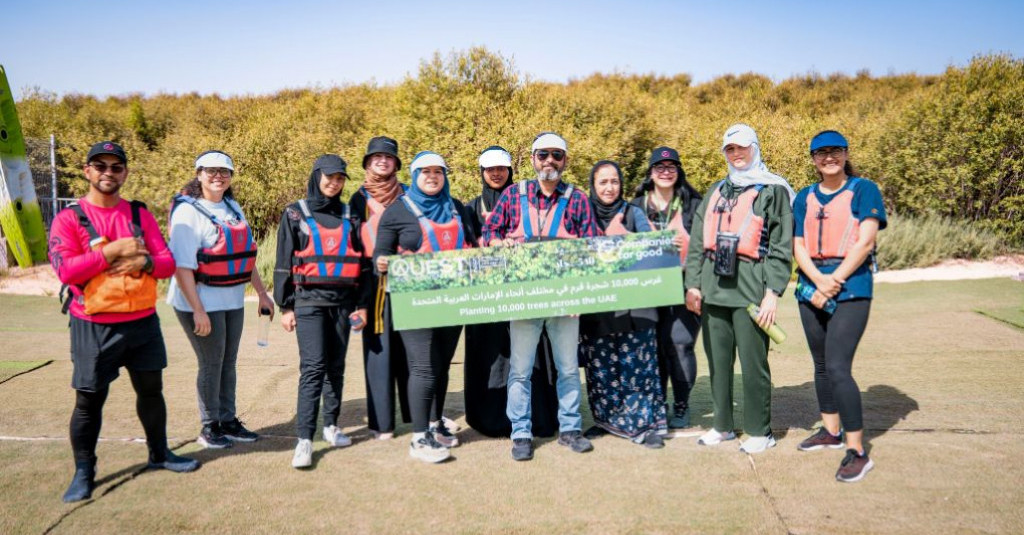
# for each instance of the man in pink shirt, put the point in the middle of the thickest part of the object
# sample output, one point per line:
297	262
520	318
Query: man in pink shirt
103	238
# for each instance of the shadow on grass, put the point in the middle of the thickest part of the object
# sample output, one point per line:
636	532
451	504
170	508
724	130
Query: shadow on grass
884	407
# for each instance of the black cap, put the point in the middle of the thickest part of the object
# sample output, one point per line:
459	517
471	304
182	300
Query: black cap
329	164
661	154
382	145
107	147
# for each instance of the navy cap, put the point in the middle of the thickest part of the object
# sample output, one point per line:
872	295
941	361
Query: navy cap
107	147
329	164
828	138
661	154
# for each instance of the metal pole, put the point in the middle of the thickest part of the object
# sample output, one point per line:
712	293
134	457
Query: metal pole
53	175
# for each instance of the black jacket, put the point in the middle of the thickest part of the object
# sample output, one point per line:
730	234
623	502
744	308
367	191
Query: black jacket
291	239
399	228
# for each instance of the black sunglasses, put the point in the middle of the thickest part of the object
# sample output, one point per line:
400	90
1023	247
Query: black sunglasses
101	167
543	154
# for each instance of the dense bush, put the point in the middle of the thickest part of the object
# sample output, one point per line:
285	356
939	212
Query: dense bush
948	145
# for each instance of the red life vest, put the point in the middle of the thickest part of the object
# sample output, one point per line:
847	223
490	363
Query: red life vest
437	236
371	220
328	259
736	217
831	229
529	218
676	224
232	258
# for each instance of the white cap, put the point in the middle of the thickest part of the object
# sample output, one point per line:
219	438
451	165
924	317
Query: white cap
427	159
495	158
739	134
215	159
549	140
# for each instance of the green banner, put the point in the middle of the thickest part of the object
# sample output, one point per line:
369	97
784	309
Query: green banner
535	280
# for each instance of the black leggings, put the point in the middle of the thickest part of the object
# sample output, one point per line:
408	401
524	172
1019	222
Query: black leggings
677	334
430	353
87	417
833	341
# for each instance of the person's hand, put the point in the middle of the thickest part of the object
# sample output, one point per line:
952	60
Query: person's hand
679	240
124	248
124	265
819	299
828	285
382	264
288	320
361	314
769	305
266	303
202	321
694	300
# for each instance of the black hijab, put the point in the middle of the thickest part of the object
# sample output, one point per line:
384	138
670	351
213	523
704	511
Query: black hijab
316	199
604	213
490	195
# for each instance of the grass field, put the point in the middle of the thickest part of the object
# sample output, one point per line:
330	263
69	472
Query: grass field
943	390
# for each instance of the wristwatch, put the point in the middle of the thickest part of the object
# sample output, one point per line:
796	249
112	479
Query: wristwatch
148	266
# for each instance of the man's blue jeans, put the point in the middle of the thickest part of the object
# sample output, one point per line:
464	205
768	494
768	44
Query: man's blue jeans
564	335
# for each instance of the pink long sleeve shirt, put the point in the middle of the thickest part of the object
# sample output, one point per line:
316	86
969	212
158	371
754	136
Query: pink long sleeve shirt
75	262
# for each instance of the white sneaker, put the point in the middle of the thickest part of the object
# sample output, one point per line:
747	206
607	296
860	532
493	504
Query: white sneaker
303	457
334	437
429	450
714	437
377	435
450	425
757	444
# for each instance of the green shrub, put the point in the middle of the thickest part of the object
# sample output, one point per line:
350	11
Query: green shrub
266	257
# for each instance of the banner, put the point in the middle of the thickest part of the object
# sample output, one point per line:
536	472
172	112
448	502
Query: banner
535	280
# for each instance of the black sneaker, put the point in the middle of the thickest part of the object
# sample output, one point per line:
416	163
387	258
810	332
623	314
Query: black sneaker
82	484
653	440
822	439
574	440
211	437
443	435
175	463
854	467
428	449
234	430
522	449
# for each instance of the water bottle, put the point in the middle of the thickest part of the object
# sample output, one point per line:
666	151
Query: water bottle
263	328
774	331
356	322
805	292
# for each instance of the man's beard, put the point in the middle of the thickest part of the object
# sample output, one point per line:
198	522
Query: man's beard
549	175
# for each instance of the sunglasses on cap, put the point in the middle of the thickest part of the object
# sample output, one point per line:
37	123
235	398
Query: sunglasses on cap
543	154
101	167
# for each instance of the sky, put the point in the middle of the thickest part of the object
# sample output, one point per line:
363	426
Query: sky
236	47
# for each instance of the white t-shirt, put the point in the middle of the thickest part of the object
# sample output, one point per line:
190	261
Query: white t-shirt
191	232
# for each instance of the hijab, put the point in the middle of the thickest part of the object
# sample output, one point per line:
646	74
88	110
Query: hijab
604	213
383	189
494	156
315	198
757	172
437	207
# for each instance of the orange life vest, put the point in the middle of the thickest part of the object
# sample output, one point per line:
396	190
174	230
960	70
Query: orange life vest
328	259
108	293
831	229
736	217
676	224
437	236
530	221
371	220
232	258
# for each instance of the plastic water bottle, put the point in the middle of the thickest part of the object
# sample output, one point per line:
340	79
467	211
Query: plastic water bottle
263	328
774	331
805	292
356	322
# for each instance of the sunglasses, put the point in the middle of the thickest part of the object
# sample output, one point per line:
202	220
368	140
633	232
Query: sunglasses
214	171
101	167
544	153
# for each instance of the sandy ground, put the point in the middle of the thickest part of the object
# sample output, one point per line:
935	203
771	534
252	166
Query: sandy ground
40	280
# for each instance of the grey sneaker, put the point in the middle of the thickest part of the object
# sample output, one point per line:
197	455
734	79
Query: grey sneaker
653	440
574	440
211	437
757	444
174	463
680	420
522	449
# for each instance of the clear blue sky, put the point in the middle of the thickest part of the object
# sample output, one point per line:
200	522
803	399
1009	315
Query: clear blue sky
240	47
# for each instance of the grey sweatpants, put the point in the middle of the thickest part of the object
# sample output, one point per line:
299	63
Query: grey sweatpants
217	354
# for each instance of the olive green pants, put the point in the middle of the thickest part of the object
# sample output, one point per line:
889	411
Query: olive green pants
727	330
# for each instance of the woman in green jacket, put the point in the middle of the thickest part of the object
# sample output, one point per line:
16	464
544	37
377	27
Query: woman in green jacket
740	254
